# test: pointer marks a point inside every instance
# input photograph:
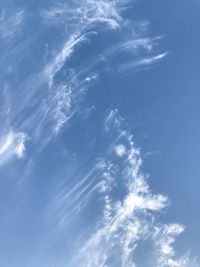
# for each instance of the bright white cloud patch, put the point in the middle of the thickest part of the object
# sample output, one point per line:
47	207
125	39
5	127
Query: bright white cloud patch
120	150
11	144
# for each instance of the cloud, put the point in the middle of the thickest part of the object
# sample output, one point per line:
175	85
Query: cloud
10	23
58	86
123	221
164	238
62	96
151	60
120	150
11	144
89	12
126	219
140	64
52	69
113	121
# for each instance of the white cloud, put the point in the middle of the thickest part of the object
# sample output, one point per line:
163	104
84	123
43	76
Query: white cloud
53	68
89	12
10	23
120	150
164	237
141	63
151	60
11	144
60	101
113	121
126	221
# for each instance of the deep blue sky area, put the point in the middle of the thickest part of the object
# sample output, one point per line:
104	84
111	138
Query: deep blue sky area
171	119
99	133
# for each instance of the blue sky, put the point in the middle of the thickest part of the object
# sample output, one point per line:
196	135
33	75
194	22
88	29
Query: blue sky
99	137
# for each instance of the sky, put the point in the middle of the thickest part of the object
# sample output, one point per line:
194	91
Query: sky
99	133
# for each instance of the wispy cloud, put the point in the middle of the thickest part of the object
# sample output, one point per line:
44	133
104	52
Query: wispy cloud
60	100
140	64
126	220
10	23
89	12
151	60
164	238
11	144
127	209
57	86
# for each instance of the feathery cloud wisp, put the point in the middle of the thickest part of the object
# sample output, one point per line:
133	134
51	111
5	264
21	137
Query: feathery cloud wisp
10	23
126	220
11	144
